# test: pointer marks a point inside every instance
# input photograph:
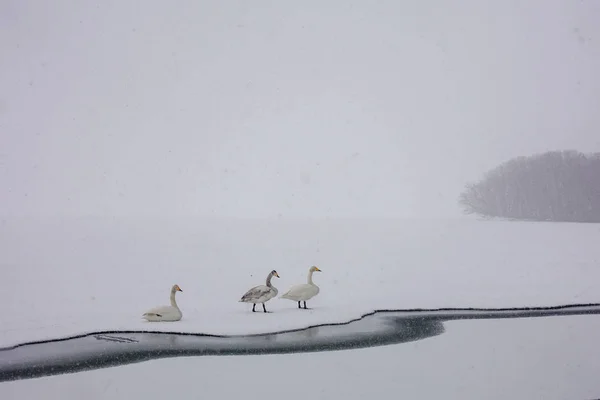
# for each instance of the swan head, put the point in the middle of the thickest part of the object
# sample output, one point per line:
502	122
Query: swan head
274	273
315	269
176	288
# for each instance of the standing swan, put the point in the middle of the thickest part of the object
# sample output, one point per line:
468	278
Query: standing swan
261	293
304	291
165	313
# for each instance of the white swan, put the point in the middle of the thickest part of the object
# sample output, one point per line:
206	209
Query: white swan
262	293
165	313
304	291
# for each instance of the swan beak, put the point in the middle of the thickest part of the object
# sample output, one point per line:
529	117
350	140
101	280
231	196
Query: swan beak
318	270
276	274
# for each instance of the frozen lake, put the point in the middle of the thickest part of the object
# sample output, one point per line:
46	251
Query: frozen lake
110	349
90	275
553	357
90	281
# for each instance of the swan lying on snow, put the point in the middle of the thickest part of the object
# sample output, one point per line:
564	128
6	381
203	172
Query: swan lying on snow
261	294
304	291
165	313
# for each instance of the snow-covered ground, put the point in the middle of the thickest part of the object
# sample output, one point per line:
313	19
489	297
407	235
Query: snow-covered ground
539	358
67	277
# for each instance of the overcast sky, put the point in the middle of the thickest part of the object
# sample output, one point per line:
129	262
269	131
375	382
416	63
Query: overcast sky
266	108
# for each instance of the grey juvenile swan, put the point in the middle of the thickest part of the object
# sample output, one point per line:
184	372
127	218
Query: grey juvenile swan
261	294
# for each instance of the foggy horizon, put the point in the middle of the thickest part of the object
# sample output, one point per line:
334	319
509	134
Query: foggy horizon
297	110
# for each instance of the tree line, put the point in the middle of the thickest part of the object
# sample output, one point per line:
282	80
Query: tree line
553	186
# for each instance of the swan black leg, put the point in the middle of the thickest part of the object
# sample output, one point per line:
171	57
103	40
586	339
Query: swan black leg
264	308
254	305
299	305
305	306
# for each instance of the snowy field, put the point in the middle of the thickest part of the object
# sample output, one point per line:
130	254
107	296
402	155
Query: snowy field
62	278
538	358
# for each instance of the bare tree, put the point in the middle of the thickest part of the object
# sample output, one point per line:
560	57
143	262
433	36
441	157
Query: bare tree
553	186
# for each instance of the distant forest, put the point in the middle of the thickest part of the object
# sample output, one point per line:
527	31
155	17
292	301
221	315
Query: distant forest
554	186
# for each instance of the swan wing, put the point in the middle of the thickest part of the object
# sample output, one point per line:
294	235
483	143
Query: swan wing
301	292
163	313
159	310
255	293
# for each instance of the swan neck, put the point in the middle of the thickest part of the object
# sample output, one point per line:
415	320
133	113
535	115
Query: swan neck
173	302
269	280
309	280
